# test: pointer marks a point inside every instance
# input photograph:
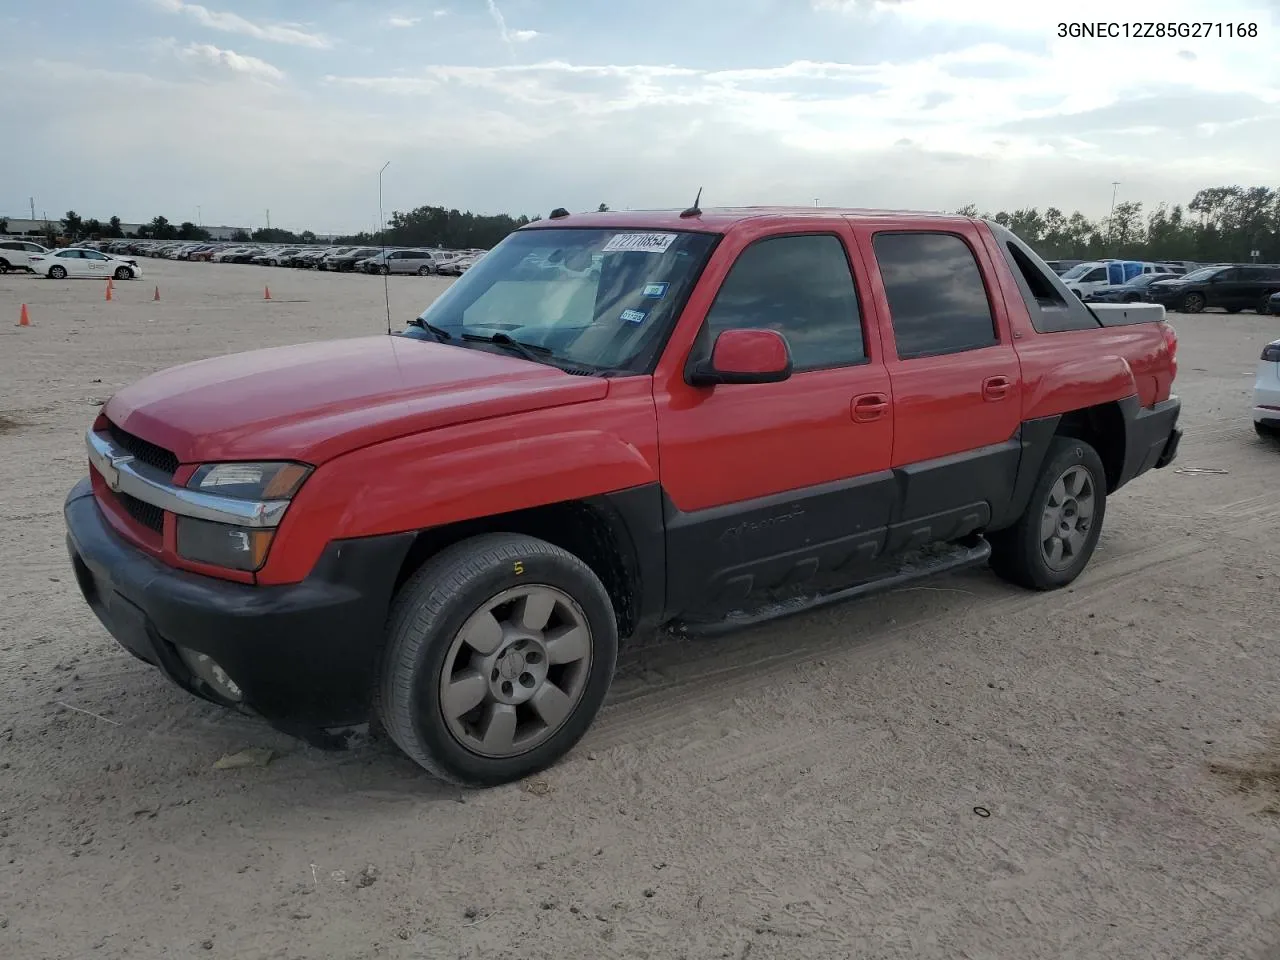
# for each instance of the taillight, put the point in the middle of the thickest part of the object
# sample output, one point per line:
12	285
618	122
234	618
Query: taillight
1271	352
1171	344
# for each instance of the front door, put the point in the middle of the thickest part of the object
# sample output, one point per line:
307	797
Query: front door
955	376
770	486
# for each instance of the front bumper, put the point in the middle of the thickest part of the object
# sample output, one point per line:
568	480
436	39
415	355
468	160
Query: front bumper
304	655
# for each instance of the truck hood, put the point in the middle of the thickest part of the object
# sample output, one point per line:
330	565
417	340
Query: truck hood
316	401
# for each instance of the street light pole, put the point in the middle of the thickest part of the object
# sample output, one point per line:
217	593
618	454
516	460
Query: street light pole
1111	217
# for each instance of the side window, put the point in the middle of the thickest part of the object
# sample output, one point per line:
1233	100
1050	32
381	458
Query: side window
70	254
802	287
1096	275
937	300
1045	293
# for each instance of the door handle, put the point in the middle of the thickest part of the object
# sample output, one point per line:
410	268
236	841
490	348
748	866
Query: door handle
995	388
868	407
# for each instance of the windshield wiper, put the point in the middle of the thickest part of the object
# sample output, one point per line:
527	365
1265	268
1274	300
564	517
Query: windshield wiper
530	351
439	332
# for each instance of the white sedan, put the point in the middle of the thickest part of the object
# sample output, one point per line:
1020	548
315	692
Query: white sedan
1266	392
82	262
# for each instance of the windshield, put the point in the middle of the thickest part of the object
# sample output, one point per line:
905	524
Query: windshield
1203	273
599	299
1079	270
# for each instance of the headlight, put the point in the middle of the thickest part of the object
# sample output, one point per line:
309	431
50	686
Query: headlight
250	481
228	545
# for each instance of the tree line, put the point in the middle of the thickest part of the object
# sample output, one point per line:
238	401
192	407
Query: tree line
1219	224
1224	224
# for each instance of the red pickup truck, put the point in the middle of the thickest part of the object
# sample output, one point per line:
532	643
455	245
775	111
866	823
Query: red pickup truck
612	422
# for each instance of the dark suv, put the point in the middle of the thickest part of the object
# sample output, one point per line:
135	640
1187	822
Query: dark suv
1234	287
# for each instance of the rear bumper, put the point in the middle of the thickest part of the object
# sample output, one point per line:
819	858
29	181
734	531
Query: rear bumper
1152	436
304	655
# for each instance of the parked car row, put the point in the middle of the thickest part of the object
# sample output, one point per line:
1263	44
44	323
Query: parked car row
420	261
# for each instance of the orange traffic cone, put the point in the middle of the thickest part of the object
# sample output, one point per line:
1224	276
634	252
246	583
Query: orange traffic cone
266	293
23	319
157	296
108	297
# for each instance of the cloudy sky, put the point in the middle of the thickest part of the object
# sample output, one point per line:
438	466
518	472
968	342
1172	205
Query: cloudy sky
140	107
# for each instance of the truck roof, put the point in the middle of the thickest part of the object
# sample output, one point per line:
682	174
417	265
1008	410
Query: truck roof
720	219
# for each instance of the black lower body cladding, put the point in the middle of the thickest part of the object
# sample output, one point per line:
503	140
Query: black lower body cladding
304	655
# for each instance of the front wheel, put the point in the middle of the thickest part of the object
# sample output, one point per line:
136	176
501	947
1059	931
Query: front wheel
123	273
1193	303
57	273
384	269
500	651
1052	541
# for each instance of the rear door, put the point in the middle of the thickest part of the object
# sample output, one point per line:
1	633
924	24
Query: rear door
954	373
1223	289
75	265
773	484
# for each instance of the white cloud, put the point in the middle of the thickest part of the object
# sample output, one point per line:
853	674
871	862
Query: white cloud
206	54
234	23
524	36
439	13
403	21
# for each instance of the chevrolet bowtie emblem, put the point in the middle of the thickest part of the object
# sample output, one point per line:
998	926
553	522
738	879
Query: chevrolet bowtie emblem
111	471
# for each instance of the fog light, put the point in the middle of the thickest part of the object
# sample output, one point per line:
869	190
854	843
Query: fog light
205	668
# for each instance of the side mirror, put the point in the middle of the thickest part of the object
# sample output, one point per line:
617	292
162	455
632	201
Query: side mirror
744	356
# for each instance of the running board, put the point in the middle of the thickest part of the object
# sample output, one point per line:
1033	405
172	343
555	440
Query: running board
958	559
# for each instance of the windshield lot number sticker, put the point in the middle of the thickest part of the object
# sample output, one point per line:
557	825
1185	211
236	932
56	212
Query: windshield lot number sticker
633	316
655	291
639	243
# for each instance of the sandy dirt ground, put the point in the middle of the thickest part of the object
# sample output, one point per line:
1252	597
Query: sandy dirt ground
802	790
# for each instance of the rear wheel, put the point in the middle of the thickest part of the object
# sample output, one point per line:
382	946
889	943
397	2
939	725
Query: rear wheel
1193	303
424	271
499	653
57	272
1264	305
4	266
1052	541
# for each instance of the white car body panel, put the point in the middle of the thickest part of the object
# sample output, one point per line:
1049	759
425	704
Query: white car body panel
1266	389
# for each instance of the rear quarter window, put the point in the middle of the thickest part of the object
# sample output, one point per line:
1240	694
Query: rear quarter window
1052	307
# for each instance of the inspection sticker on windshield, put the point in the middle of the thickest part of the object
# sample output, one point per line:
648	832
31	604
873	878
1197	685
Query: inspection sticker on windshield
639	243
655	291
632	316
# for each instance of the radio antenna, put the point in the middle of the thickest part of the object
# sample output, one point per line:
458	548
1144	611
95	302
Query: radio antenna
695	210
386	268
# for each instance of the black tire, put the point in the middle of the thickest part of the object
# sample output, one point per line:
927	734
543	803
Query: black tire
57	272
1017	554
1233	309
426	616
4	266
1266	431
1193	303
1264	305
123	273
424	271
384	269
